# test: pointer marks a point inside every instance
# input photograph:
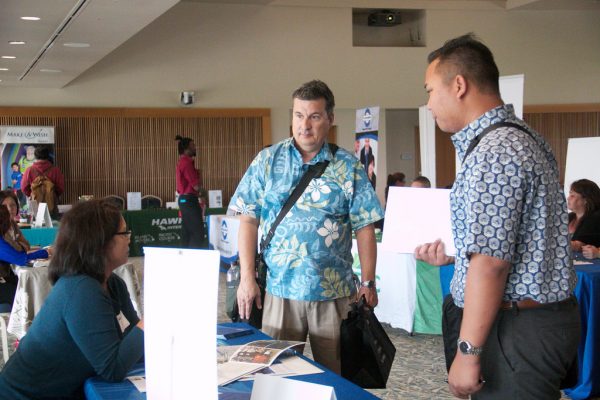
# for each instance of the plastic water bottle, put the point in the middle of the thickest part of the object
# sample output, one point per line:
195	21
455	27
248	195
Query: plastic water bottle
233	276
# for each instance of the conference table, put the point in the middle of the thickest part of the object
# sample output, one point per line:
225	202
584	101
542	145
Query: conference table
34	287
98	389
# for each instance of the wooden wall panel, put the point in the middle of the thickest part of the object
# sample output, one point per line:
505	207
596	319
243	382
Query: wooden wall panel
558	126
115	151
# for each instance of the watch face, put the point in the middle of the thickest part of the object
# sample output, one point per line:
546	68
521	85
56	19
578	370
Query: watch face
464	347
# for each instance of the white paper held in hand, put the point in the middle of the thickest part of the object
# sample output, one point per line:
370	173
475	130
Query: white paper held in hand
275	388
415	216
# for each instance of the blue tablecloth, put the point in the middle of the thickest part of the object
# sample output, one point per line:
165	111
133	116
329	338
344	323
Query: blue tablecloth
98	389
40	236
588	296
587	292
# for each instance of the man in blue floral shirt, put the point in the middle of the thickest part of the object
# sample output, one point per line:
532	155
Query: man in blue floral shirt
309	281
513	279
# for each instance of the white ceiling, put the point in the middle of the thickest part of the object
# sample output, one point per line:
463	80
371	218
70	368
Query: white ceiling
106	24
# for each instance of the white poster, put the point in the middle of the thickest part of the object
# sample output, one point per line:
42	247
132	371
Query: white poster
134	201
180	319
415	216
366	141
367	119
215	199
582	160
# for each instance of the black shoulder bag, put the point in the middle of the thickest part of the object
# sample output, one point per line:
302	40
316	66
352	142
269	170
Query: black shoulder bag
314	171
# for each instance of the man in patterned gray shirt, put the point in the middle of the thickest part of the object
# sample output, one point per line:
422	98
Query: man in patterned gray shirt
513	279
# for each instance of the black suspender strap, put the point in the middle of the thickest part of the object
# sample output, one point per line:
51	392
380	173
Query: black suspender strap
490	128
314	171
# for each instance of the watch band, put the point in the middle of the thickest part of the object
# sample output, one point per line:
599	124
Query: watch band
466	348
368	284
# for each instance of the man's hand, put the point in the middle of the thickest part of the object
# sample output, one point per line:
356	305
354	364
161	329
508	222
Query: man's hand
590	251
576	245
370	296
433	253
464	377
248	292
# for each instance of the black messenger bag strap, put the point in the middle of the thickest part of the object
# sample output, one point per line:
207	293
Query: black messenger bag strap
314	171
487	130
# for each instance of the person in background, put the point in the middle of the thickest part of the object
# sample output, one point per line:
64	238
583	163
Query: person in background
188	187
14	249
395	179
44	166
16	177
87	325
516	321
421	182
9	200
584	219
309	278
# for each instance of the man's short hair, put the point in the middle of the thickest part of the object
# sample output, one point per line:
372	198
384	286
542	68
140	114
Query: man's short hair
42	153
315	90
467	56
13	164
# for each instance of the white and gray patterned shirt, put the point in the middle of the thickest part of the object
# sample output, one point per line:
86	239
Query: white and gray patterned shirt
507	203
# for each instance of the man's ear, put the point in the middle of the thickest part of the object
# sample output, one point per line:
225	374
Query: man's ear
460	85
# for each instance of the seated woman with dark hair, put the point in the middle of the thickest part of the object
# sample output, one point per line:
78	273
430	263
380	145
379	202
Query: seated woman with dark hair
14	249
584	219
87	325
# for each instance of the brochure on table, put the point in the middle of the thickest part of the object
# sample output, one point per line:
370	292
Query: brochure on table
180	352
415	216
276	388
252	357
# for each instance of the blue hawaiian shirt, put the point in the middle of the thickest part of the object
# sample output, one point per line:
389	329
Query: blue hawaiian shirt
309	257
507	202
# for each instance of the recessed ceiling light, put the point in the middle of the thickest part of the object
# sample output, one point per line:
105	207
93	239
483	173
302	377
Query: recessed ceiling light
75	44
3	69
31	18
16	42
9	57
50	70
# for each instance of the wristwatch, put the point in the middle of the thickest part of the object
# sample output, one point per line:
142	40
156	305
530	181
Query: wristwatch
368	284
467	348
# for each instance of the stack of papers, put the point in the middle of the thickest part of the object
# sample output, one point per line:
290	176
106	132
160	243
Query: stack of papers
261	355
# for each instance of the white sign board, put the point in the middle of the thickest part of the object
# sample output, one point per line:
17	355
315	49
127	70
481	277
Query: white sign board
26	134
180	322
276	388
415	216
215	199
582	160
134	201
42	217
367	119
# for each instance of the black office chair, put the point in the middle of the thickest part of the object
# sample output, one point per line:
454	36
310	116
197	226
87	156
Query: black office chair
150	201
118	201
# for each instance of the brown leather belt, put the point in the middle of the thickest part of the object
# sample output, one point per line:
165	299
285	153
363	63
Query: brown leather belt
521	304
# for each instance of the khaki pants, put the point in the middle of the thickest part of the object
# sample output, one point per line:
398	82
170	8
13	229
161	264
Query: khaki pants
286	319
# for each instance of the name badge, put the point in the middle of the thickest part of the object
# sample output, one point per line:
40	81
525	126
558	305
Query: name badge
123	322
